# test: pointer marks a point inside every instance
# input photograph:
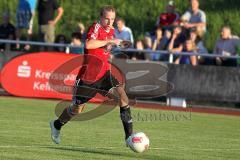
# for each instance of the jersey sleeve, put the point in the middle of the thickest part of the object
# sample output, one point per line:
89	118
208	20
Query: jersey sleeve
93	32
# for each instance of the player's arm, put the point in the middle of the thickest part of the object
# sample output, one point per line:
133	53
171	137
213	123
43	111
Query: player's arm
94	43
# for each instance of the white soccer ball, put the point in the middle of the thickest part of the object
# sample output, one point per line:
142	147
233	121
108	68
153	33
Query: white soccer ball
138	142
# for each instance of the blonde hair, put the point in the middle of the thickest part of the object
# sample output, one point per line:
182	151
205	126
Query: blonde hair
107	8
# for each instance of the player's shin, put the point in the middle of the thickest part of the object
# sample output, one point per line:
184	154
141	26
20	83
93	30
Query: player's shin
125	114
67	114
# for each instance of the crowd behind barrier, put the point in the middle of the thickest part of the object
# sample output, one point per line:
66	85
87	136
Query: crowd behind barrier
116	52
180	34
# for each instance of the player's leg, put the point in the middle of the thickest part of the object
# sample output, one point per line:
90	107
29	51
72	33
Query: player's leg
125	111
116	90
81	94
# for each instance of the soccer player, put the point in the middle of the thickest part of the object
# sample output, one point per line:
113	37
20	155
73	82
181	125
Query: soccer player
100	38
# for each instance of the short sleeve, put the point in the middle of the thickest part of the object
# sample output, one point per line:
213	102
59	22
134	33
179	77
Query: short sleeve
203	17
93	32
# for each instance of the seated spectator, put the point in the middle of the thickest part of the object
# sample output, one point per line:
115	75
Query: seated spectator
81	29
226	46
77	45
122	32
199	45
194	18
198	41
188	47
25	15
176	42
61	39
7	30
139	55
147	43
167	20
160	42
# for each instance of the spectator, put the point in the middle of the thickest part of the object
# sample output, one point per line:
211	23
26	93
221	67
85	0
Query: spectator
123	32
25	15
199	46
226	46
160	42
188	47
147	42
61	39
46	19
167	20
198	41
77	45
194	18
176	42
139	45
7	30
81	30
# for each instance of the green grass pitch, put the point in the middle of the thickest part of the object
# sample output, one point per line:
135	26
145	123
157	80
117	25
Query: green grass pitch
25	134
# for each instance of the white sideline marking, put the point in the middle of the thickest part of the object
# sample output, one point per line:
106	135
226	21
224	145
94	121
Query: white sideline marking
154	148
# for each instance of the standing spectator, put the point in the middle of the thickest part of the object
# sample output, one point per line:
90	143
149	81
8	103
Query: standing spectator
188	47
123	32
76	44
7	30
25	16
167	20
226	46
160	42
46	20
194	18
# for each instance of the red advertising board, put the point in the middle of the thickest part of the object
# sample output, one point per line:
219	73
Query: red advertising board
45	75
28	75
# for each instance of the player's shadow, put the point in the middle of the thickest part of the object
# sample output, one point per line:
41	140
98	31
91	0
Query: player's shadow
113	153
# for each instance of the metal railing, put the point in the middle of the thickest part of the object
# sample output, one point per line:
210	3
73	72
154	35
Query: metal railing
68	46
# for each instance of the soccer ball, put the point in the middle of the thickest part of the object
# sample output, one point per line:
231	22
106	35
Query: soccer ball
138	142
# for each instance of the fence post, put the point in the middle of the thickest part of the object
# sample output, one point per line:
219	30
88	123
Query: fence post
174	101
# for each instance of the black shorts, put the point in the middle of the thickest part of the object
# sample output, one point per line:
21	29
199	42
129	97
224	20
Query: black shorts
83	92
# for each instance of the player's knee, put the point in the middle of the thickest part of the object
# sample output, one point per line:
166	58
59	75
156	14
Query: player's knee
75	109
121	92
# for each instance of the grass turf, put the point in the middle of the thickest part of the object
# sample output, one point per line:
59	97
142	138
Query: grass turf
25	134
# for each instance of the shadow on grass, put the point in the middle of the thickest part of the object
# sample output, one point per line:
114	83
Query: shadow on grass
111	153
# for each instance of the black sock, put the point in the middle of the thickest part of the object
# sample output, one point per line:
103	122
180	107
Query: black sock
58	124
126	118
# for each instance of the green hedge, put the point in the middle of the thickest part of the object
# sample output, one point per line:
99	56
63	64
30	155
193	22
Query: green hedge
141	15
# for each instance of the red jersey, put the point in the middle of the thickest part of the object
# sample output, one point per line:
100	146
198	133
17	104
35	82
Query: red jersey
96	60
166	19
